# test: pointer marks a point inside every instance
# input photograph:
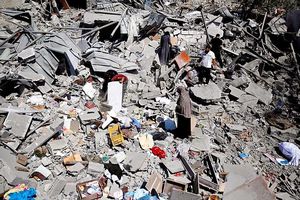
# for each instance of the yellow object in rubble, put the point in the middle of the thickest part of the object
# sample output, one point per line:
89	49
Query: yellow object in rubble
18	188
115	134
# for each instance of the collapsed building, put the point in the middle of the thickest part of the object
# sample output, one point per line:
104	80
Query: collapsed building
85	101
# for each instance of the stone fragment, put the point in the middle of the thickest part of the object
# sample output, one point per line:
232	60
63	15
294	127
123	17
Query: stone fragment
18	123
213	30
45	136
174	166
182	195
201	143
41	172
134	161
57	124
236	92
70	188
76	168
57	187
155	182
22	159
207	92
27	54
58	144
46	161
254	189
95	168
263	95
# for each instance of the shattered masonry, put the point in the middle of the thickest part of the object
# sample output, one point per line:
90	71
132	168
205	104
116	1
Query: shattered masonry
89	112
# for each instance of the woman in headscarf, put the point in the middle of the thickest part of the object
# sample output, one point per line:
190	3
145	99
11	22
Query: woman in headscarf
164	50
184	112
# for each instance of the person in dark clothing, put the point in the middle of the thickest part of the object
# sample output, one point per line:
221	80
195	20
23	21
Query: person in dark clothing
184	112
109	74
216	44
165	47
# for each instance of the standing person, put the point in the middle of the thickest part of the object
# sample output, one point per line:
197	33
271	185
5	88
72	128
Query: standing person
164	50
184	112
208	59
216	43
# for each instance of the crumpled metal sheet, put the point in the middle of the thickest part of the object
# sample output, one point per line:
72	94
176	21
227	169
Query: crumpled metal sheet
101	62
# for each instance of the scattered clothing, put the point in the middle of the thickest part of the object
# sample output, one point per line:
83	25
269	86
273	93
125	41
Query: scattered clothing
291	152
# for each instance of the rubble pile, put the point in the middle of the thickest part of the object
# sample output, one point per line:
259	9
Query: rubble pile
88	110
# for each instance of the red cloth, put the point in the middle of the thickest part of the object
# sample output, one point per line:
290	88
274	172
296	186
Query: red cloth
158	152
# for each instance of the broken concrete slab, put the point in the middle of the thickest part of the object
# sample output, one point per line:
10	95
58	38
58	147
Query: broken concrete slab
248	100
237	175
239	81
237	93
174	166
18	123
90	114
46	161
255	189
90	17
57	187
7	172
207	92
134	161
46	134
95	168
263	95
11	3
57	125
201	143
213	30
41	173
182	195
236	127
70	188
76	168
27	55
155	182
58	144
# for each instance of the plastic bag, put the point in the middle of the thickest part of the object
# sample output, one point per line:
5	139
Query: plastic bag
291	151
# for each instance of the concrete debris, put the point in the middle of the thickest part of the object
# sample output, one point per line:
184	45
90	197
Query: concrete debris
95	168
181	195
255	189
96	97
263	95
18	124
174	166
134	161
207	92
155	182
41	173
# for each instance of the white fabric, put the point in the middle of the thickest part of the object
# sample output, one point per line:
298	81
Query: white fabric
207	58
291	151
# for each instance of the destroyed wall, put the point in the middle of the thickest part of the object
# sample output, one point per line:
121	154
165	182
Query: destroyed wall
89	112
